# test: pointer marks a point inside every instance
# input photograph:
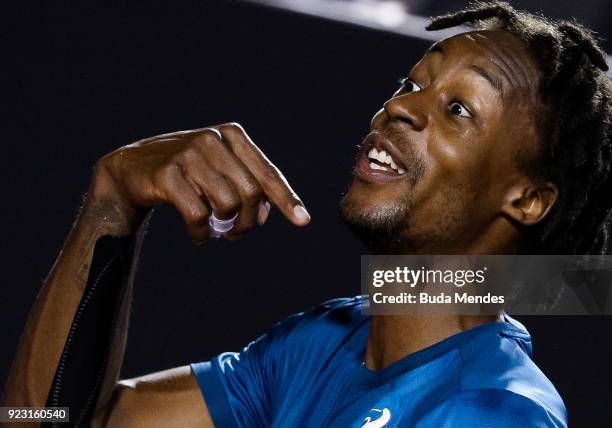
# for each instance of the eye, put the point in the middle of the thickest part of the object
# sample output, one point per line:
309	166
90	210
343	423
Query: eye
459	109
408	85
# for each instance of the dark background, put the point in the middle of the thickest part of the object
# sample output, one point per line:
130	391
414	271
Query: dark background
78	81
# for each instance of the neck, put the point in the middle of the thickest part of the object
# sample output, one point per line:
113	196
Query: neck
499	236
392	337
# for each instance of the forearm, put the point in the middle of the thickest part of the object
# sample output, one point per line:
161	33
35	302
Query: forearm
52	315
72	348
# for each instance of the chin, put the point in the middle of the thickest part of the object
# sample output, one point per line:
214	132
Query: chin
378	224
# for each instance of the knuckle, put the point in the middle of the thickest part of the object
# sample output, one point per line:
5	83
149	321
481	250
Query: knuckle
190	153
207	136
228	205
168	171
197	215
270	173
206	140
232	126
252	192
172	169
232	129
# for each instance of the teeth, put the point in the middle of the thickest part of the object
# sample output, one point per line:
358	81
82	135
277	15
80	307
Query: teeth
379	167
383	157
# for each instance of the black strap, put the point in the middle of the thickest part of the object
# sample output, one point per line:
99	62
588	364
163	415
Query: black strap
83	362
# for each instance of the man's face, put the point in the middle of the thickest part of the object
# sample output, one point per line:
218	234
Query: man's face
455	131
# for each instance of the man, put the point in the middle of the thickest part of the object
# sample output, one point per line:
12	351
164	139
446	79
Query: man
498	142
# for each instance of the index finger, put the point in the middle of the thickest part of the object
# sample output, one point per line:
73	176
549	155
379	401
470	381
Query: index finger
272	181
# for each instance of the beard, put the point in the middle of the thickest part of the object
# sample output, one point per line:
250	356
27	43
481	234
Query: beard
378	228
382	228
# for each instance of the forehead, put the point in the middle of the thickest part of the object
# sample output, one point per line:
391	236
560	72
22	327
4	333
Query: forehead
499	54
464	62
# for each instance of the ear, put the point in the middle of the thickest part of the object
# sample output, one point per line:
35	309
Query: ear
528	203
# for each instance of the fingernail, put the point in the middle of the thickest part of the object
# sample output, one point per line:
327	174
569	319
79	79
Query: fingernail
264	210
301	214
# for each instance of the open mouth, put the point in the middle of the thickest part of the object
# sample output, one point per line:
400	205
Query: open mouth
383	161
380	161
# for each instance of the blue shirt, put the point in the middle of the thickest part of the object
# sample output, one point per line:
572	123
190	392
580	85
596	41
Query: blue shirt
308	371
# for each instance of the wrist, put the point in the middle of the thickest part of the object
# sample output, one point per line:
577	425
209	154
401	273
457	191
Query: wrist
105	206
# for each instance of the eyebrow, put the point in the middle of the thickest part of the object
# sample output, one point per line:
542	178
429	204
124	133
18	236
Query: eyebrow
492	79
495	81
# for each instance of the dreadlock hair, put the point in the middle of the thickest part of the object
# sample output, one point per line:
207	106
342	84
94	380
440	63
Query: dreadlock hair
574	124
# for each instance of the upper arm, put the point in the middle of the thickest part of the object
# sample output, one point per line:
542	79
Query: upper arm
167	398
236	385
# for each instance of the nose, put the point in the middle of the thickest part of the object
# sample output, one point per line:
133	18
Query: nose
406	108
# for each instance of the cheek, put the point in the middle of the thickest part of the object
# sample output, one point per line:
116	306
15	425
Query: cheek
454	155
457	170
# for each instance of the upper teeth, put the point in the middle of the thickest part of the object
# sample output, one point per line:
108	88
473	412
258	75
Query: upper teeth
383	157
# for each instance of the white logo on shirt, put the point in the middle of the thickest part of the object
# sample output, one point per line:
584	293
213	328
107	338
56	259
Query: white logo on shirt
381	421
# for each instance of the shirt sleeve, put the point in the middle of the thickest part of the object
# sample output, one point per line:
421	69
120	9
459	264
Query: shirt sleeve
489	408
240	387
237	385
